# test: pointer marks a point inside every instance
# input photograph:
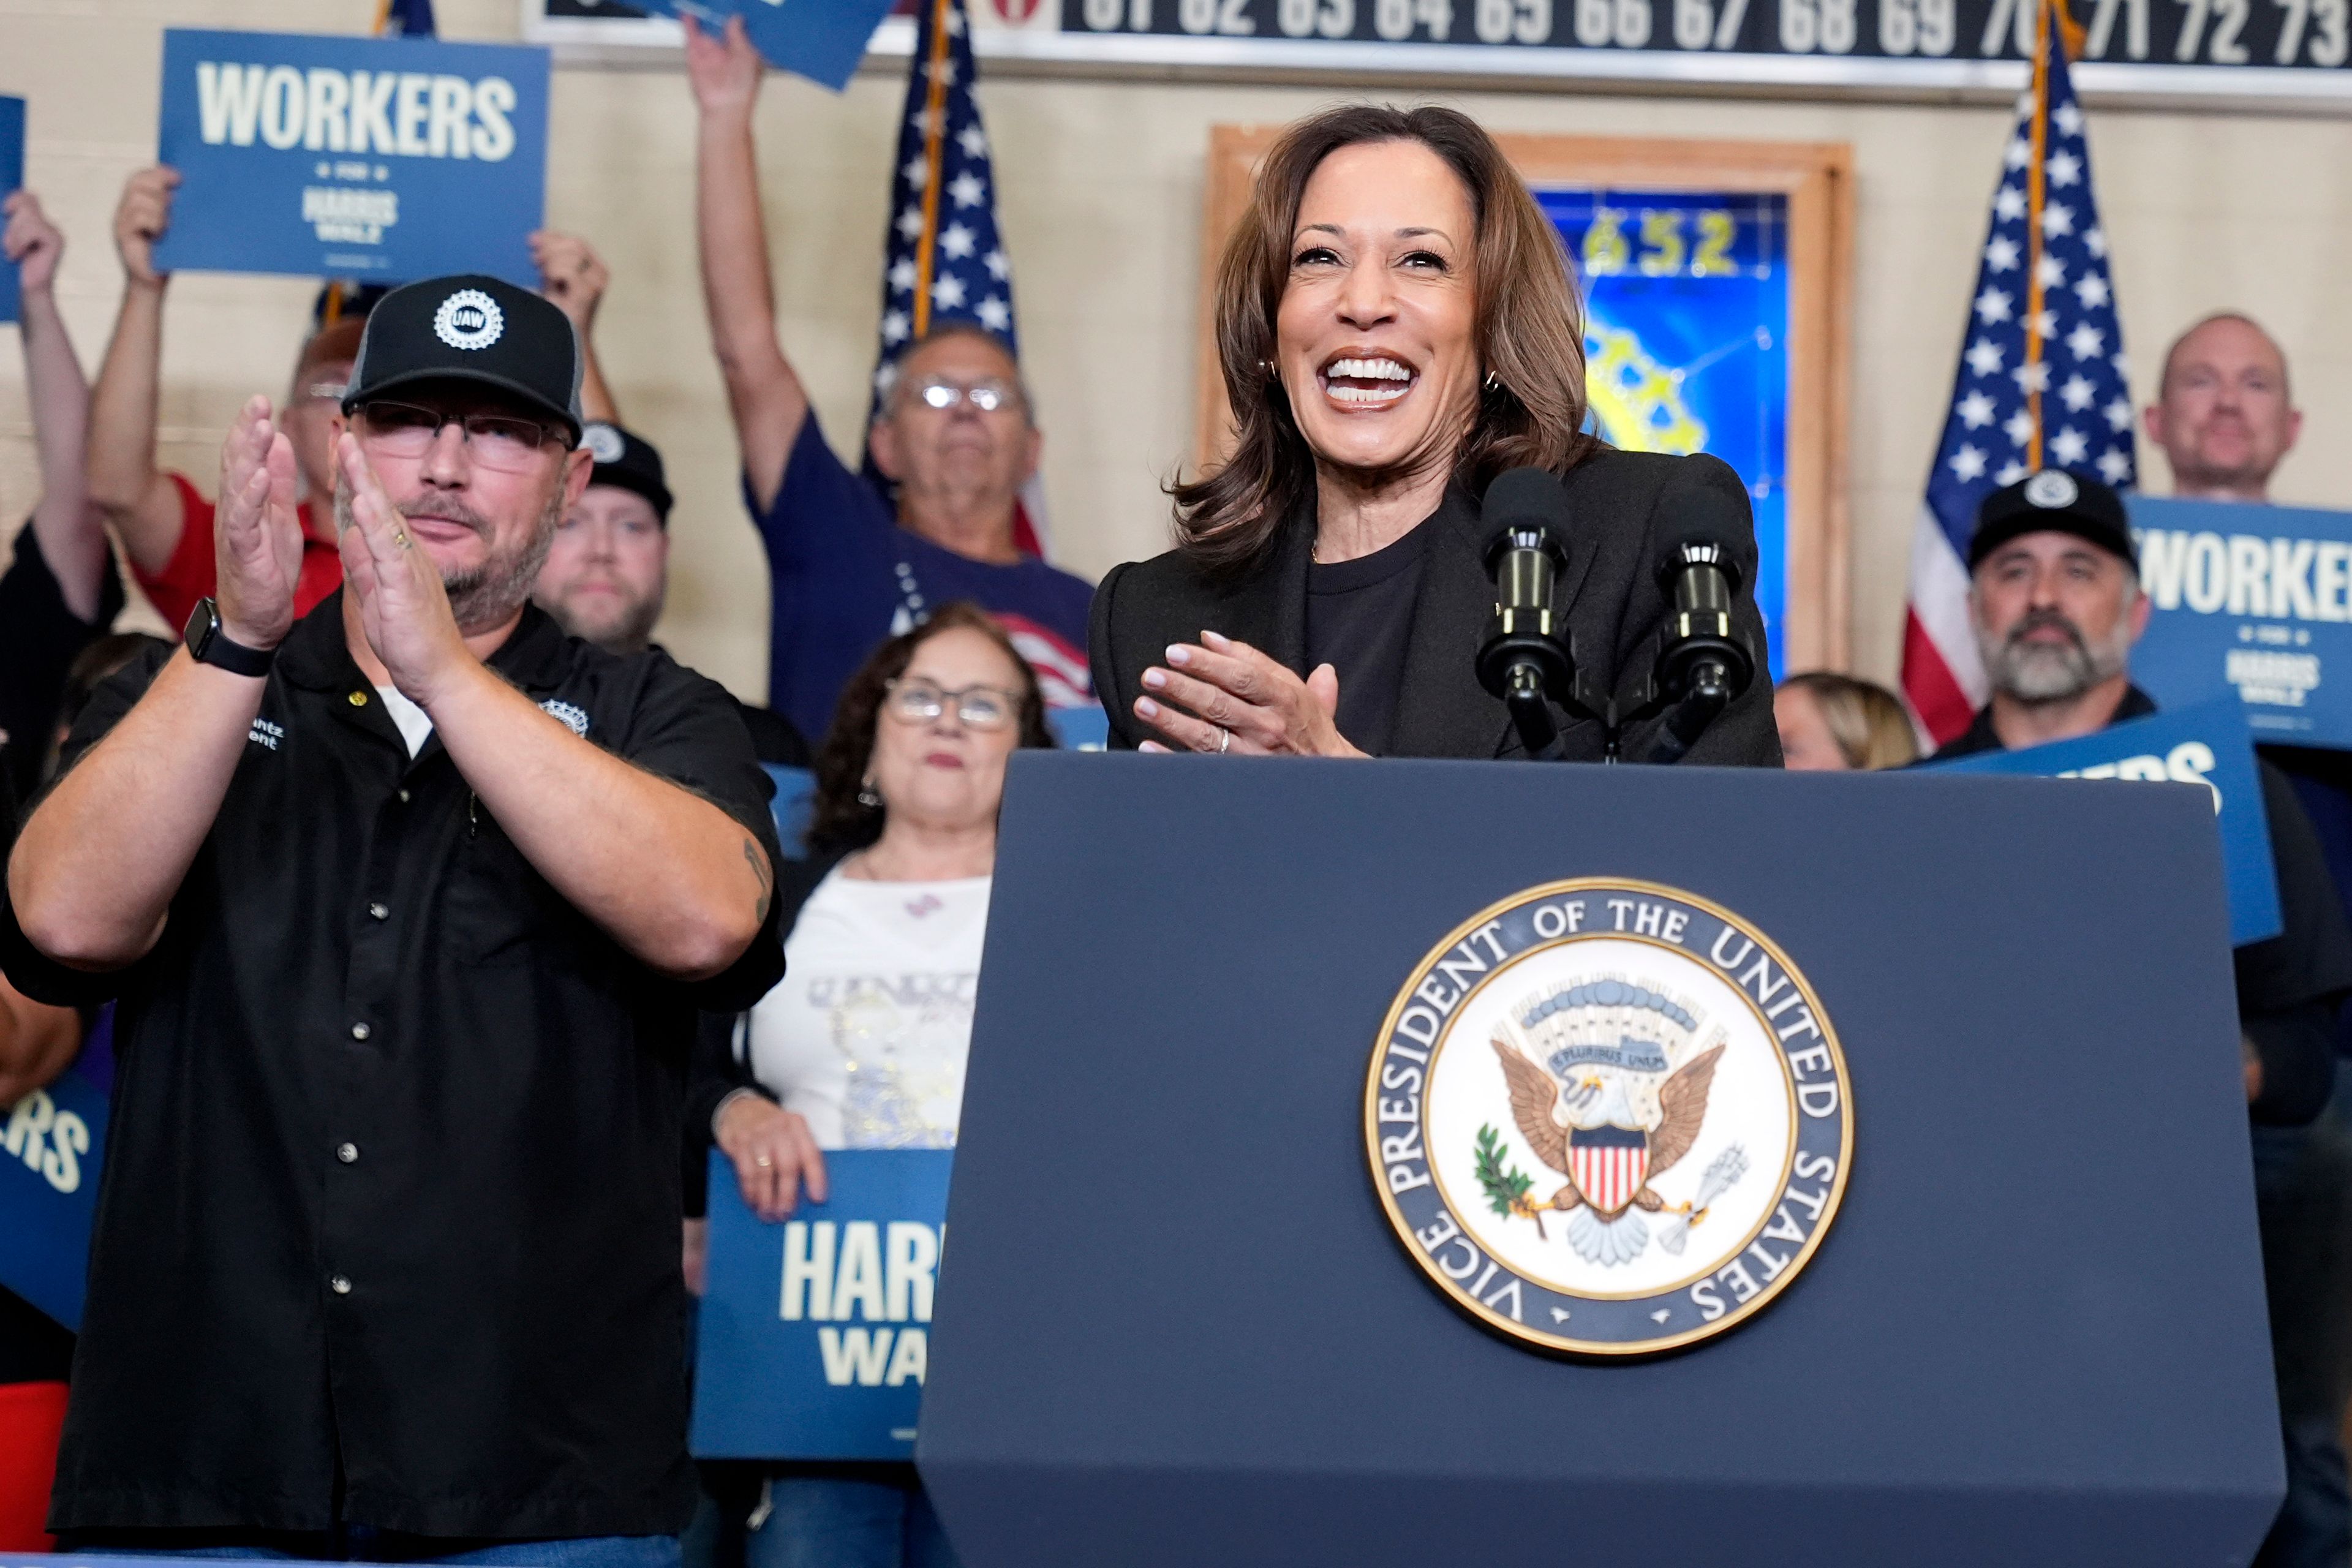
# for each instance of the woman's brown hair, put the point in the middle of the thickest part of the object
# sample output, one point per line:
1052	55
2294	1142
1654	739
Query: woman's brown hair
1529	330
1868	722
840	821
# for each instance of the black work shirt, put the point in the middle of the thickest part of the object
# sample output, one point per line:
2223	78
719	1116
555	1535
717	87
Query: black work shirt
393	1167
39	636
1359	622
2289	986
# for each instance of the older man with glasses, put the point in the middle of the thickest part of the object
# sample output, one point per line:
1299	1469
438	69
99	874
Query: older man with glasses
407	905
957	437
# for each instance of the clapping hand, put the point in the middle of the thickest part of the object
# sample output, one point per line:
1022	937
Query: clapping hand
774	1155
723	68
31	241
571	275
403	608
1222	696
257	537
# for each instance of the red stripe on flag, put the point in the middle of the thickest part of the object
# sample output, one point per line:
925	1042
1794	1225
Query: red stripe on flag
1927	684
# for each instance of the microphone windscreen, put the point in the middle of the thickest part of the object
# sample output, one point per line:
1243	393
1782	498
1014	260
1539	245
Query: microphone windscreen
1524	498
1709	515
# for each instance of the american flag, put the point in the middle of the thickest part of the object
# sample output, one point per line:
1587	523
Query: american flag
2040	382
405	18
942	259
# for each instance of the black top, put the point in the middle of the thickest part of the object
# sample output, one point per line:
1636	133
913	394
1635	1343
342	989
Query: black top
34	1348
1625	509
2289	987
39	639
1359	620
391	1196
773	737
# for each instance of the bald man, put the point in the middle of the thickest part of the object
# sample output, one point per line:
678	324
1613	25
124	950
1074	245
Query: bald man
2224	415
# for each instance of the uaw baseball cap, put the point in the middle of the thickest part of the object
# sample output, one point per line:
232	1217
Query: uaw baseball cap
471	327
627	462
2054	500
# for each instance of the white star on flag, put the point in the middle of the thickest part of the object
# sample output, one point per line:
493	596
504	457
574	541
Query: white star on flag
1992	306
998	264
2011	472
2063	169
946	291
2118	414
2018	154
994	314
968	189
895	325
2044	324
2069	118
2085	342
1968	464
902	275
2050	271
973	141
2033	377
955	244
2018	428
2077	393
2069	448
2057	220
917	174
2114	466
1976	410
2008	204
910	222
2092	291
1984	356
2096	242
2000	253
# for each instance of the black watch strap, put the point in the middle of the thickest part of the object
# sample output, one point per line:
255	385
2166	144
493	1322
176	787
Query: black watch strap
209	644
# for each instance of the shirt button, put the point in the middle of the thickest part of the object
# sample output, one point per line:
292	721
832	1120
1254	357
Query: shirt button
361	1031
404	797
348	1153
378	911
340	1286
359	699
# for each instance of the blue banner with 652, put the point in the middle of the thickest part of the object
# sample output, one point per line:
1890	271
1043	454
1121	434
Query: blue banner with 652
386	159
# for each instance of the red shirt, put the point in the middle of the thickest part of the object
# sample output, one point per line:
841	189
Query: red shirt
191	574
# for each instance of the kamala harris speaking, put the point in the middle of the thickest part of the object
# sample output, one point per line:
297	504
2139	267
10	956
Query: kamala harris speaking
1397	327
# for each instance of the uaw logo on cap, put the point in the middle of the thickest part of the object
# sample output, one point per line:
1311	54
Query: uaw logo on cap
468	319
1608	1117
603	443
2052	488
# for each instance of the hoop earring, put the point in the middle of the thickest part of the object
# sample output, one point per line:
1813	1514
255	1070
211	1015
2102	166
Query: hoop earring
1265	368
1494	382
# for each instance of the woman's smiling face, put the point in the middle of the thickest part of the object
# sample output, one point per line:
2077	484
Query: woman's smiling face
1375	336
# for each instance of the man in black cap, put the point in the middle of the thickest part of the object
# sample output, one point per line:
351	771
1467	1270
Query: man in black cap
408	906
2054	594
608	570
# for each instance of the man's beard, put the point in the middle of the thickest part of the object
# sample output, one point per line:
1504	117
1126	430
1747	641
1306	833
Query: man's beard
483	597
2037	672
627	631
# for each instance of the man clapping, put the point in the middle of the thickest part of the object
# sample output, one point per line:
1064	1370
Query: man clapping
408	904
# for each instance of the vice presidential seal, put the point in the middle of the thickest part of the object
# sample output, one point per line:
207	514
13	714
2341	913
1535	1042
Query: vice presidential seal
1608	1118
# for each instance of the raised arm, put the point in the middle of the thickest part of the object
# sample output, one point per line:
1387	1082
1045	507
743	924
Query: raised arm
669	876
96	867
764	395
572	276
124	483
71	534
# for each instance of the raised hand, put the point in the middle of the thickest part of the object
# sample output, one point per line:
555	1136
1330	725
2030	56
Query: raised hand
724	69
256	535
1223	696
571	275
31	241
140	221
403	609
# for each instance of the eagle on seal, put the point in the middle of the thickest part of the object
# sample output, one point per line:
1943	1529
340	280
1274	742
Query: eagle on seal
1567	1143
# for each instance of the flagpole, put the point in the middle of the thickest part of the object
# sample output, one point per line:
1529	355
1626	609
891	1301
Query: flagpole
934	146
2035	194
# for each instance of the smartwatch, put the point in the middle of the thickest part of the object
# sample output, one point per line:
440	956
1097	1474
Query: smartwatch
207	643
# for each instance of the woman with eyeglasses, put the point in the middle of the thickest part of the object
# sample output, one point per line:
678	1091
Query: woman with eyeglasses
862	1045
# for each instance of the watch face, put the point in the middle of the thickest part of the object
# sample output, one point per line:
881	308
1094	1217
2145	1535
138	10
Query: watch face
203	625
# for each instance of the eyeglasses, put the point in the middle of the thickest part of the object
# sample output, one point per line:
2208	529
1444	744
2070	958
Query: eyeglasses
987	396
495	440
981	707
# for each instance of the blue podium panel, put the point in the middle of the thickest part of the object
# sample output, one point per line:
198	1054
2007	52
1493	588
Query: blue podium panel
1175	1327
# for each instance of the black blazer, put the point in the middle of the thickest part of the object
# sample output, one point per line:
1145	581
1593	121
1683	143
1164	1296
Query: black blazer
1622	514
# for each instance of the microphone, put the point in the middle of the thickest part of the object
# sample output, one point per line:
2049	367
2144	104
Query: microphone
1526	656
1704	663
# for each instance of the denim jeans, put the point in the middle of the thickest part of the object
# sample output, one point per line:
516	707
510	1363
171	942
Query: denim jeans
815	1522
359	1544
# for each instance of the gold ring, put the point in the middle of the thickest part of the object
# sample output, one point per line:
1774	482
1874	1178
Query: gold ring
762	1162
401	540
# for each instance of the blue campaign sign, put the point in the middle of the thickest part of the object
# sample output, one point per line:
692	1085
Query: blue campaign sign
791	805
2206	742
386	160
815	1332
2252	599
12	176
51	1143
820	39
